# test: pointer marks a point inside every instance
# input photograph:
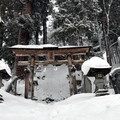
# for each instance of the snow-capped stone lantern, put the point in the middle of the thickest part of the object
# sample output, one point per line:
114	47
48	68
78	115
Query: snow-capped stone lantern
54	55
98	68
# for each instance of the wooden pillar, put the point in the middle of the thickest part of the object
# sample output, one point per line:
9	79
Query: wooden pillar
15	87
14	74
32	75
72	78
1	84
26	78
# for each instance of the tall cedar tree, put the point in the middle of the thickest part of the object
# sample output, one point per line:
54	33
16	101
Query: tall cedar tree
41	10
9	11
75	21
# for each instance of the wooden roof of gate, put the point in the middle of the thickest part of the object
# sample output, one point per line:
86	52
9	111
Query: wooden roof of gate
50	51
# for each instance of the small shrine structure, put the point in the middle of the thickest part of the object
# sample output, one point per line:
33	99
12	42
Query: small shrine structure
30	56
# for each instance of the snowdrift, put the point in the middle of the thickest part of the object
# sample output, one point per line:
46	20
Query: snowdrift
4	66
77	107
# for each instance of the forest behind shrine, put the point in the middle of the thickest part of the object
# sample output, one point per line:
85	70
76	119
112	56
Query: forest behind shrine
67	22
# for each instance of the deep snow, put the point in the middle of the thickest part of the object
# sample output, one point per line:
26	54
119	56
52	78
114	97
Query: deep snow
78	107
4	66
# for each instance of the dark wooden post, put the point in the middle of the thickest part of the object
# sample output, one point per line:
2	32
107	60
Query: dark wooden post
14	74
72	78
15	87
1	84
32	75
26	78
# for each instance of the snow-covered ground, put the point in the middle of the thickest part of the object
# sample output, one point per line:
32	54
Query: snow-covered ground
52	83
77	107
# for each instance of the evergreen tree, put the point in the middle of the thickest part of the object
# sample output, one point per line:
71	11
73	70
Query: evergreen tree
41	10
9	10
110	23
74	23
22	22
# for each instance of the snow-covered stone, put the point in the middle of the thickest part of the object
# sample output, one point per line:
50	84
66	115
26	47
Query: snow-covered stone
94	62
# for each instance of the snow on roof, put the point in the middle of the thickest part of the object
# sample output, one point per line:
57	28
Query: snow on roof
4	66
42	46
35	46
94	62
68	46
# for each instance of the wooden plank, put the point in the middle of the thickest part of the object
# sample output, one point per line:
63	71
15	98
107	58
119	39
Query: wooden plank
29	52
55	54
26	63
20	55
23	63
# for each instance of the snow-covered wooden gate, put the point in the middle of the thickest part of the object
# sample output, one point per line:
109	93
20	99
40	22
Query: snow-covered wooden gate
33	55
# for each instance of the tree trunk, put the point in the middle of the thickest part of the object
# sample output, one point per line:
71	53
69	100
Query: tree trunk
37	37
24	35
107	7
1	38
44	30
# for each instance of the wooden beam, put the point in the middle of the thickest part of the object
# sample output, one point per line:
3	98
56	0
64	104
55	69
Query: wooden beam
55	54
23	63
21	55
26	63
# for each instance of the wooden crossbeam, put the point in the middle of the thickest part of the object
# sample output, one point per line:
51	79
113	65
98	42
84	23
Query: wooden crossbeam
58	62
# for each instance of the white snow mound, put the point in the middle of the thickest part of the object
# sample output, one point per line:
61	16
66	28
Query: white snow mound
4	66
94	62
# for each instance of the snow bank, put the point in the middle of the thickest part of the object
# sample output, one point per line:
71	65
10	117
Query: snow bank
94	62
78	107
34	46
52	83
4	66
